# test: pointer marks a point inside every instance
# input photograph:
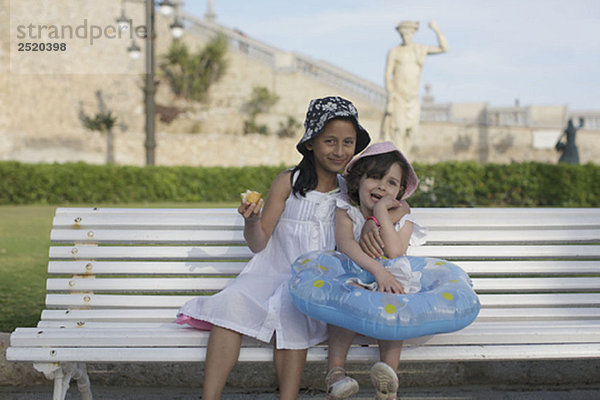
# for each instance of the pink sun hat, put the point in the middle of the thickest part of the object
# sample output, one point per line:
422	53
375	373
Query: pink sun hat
412	181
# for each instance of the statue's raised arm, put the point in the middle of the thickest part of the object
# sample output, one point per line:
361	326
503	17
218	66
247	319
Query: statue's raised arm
442	46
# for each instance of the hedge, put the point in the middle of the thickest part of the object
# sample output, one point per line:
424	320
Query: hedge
448	184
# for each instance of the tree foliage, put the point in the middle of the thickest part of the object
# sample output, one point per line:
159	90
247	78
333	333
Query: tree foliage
191	75
261	100
102	121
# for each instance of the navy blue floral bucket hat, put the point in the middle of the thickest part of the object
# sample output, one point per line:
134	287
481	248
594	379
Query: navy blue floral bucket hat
321	111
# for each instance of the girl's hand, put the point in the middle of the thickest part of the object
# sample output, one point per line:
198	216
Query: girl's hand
387	203
250	211
370	240
387	283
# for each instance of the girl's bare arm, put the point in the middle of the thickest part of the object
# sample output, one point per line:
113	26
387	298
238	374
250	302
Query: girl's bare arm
259	225
395	242
345	242
371	241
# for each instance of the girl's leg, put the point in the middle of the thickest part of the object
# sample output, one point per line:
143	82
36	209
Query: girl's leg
339	385
289	365
340	340
389	352
221	356
384	374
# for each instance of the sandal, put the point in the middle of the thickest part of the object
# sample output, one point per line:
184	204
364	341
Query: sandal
385	381
339	385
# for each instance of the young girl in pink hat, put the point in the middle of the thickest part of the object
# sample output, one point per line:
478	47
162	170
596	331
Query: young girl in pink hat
378	180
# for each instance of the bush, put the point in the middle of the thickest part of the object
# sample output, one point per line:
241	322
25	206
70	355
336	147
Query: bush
449	184
530	184
85	183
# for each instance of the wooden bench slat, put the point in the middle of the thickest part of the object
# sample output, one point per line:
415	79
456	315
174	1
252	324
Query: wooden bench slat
497	352
265	354
142	236
235	222
481	285
507	252
168	315
432	217
182	222
177	336
136	284
501	211
102	324
151	252
474	268
508	212
540	300
489	221
530	267
131	315
536	314
85	300
146	267
521	236
88	300
159	324
121	236
76	211
242	252
523	285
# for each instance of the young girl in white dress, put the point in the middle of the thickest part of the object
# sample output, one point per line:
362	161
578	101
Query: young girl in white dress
379	180
298	216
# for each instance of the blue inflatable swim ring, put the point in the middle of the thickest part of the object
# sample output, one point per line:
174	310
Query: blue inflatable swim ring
445	303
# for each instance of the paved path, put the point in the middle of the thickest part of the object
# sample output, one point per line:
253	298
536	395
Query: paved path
44	392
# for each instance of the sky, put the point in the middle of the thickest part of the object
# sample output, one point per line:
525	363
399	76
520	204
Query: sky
539	52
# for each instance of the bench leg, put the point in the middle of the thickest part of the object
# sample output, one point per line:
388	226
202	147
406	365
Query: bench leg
62	374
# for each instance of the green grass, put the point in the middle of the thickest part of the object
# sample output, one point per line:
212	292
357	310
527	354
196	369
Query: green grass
24	243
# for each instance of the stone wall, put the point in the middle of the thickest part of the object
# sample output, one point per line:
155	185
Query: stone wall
40	117
435	142
474	142
40	114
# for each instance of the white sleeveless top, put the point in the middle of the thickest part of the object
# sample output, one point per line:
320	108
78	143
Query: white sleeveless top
257	303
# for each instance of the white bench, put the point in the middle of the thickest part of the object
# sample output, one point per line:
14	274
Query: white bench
118	276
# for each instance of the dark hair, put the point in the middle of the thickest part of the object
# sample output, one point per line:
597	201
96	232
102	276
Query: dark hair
307	179
375	166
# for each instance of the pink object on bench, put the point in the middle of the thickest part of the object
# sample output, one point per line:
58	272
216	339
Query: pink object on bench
193	322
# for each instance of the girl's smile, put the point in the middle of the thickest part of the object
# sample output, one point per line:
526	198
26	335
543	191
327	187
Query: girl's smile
372	189
335	146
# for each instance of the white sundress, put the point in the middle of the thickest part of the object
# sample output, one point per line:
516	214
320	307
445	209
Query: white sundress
399	266
258	303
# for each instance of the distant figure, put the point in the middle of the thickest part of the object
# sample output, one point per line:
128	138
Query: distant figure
402	77
570	154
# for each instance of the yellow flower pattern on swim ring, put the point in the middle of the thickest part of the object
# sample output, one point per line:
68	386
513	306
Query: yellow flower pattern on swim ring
446	303
391	303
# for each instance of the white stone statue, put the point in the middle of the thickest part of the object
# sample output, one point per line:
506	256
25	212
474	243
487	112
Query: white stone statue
402	77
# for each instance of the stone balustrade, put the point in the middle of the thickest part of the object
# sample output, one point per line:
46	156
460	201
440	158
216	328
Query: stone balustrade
291	62
591	119
332	75
436	112
507	116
